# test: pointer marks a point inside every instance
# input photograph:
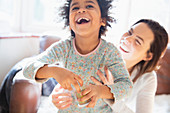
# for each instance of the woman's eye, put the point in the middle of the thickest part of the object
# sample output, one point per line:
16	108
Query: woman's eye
129	32
89	6
138	42
75	8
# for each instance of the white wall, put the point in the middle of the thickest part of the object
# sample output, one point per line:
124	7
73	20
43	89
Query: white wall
13	50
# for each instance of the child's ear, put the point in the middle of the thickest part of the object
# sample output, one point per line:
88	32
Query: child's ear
148	57
103	21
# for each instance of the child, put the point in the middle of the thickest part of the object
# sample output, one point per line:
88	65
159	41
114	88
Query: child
83	55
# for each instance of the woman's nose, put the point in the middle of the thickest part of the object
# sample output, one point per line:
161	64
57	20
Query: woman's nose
128	39
82	10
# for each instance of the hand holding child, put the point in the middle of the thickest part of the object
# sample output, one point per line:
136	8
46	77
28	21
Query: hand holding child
61	100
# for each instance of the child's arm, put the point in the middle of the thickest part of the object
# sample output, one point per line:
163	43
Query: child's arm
44	66
62	76
123	85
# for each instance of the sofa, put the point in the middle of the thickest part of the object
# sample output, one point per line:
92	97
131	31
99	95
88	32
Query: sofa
45	41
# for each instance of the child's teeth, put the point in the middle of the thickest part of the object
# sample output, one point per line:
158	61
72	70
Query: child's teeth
82	18
79	19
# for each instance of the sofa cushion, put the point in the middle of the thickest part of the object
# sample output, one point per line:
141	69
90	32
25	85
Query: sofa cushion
163	74
46	41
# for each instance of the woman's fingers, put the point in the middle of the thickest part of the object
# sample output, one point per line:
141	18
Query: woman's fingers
102	77
96	81
62	104
62	100
109	76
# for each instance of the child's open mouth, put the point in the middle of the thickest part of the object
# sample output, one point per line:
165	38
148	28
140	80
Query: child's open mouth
82	20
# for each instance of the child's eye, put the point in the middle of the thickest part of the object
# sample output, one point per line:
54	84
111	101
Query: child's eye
75	8
89	6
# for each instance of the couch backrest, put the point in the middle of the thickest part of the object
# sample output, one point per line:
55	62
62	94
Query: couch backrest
163	74
46	41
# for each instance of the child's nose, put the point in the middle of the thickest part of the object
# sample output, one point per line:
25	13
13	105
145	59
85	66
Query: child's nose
82	10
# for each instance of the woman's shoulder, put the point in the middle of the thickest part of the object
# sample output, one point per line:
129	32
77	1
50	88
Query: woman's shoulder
145	81
149	79
150	75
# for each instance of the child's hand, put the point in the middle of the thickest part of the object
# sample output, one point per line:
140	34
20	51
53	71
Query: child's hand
63	99
66	78
92	92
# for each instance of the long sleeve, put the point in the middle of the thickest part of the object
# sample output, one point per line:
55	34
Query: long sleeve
142	98
122	86
145	97
54	54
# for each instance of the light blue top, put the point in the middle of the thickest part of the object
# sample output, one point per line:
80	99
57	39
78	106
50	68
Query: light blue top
105	54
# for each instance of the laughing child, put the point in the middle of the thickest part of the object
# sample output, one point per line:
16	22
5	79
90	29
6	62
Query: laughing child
82	55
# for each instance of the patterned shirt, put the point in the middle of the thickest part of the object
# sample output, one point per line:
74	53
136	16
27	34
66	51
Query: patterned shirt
105	54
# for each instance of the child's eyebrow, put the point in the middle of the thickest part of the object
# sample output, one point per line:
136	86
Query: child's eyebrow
74	4
89	1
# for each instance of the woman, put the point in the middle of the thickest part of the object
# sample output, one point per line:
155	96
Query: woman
141	50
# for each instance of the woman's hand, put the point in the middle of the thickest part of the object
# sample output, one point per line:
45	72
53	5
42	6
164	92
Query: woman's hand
105	80
61	100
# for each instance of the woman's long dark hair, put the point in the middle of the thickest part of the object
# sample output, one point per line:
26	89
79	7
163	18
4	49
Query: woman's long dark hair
157	47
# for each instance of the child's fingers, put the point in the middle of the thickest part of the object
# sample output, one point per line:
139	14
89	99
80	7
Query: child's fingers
76	85
102	77
110	78
78	78
77	82
86	95
93	101
96	81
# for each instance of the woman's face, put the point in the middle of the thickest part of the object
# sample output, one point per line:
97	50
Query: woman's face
135	43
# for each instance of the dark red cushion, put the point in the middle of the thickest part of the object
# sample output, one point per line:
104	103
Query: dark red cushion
163	74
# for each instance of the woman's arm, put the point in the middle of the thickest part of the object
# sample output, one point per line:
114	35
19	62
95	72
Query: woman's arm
145	97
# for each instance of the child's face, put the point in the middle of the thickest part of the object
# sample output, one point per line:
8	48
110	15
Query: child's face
85	17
